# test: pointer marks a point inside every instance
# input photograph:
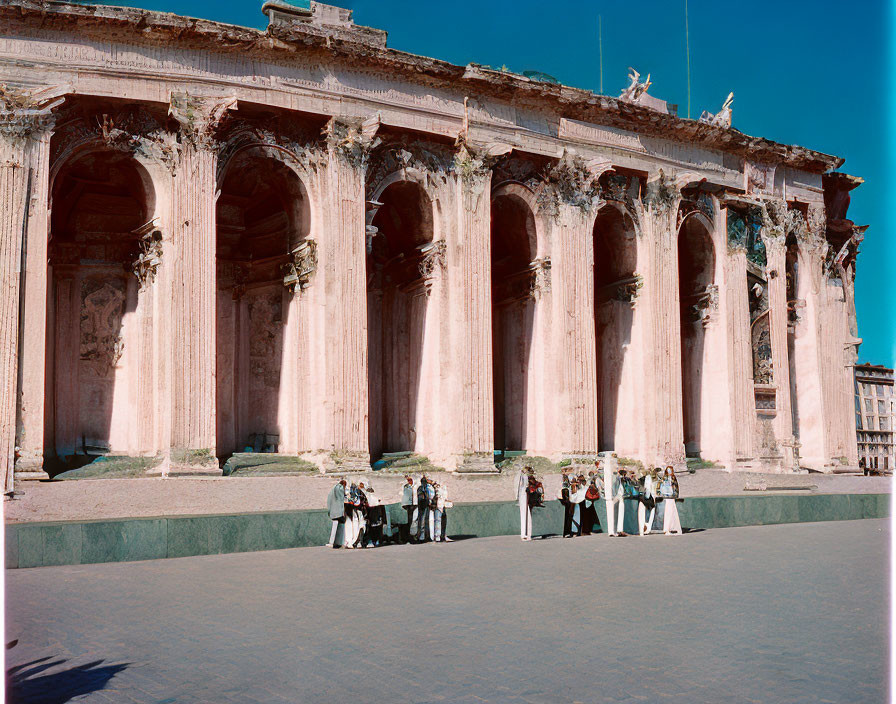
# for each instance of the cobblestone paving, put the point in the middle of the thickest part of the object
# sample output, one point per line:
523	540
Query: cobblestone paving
792	613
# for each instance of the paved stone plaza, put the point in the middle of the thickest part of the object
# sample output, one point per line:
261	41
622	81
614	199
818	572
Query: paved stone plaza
790	613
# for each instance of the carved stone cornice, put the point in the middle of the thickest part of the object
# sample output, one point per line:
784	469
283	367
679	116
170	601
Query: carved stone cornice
26	113
198	118
352	140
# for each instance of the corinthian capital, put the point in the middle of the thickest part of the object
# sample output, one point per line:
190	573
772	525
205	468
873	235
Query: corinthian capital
352	140
574	181
25	113
473	161
199	117
663	191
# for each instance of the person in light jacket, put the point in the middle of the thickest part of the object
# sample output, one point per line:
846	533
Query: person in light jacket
336	510
425	494
669	489
443	505
408	503
522	497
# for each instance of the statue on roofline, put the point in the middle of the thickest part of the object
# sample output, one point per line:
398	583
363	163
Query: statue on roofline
635	90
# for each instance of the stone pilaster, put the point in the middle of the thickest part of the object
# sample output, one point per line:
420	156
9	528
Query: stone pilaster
774	240
342	256
574	190
193	316
736	317
663	416
26	121
469	264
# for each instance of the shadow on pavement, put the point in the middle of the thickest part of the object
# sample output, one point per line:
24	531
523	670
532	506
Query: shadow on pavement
23	684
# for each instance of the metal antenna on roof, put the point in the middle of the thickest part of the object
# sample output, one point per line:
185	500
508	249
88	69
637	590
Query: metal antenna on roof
600	45
687	45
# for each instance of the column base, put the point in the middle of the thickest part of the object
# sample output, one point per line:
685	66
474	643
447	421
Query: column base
29	468
189	463
342	461
476	463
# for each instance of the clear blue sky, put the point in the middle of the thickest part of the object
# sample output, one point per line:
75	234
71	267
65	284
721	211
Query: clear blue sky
810	72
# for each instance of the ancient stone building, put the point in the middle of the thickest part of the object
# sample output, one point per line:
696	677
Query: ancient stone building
302	240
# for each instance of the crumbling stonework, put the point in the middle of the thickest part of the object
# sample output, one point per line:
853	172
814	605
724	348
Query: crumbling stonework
302	240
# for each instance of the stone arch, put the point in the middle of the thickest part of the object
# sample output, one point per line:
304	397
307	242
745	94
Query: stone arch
264	257
104	250
403	257
516	271
698	300
616	288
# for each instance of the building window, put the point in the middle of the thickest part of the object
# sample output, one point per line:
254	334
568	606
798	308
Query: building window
858	421
868	406
884	423
869	422
881	407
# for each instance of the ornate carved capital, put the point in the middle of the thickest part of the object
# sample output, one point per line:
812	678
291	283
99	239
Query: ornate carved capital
150	258
574	181
540	283
352	140
472	162
300	268
433	259
662	193
25	113
198	118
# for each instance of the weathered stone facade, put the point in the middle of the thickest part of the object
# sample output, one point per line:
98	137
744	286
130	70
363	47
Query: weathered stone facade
300	239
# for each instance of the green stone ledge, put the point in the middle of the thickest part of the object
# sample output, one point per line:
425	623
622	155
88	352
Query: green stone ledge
128	539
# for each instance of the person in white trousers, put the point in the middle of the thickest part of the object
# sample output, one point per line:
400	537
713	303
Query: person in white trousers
611	480
522	496
669	490
619	499
644	526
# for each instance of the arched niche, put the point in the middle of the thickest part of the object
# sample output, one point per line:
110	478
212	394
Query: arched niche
514	249
616	287
697	297
263	224
100	378
400	244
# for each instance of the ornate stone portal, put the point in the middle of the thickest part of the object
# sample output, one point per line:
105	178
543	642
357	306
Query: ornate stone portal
300	235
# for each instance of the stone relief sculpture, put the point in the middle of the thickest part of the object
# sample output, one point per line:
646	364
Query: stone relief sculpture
635	89
102	308
353	140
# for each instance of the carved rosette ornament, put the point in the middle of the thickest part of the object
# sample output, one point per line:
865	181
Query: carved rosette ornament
25	114
352	140
300	268
198	118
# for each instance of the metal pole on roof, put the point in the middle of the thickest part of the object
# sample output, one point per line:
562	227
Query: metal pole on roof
687	45
600	45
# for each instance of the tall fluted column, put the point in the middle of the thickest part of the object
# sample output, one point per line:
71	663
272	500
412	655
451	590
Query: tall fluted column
663	417
26	120
342	259
469	264
193	317
777	301
736	307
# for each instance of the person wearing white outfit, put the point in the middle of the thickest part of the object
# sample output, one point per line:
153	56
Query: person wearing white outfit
577	491
648	497
443	504
611	488
669	491
408	503
522	496
619	499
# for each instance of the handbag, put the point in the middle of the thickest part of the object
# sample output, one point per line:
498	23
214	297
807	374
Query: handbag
592	494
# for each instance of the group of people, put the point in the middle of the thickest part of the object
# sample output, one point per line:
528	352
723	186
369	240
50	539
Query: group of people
360	519
579	495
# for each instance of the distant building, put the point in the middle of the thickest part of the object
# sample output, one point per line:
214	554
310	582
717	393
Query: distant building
875	415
